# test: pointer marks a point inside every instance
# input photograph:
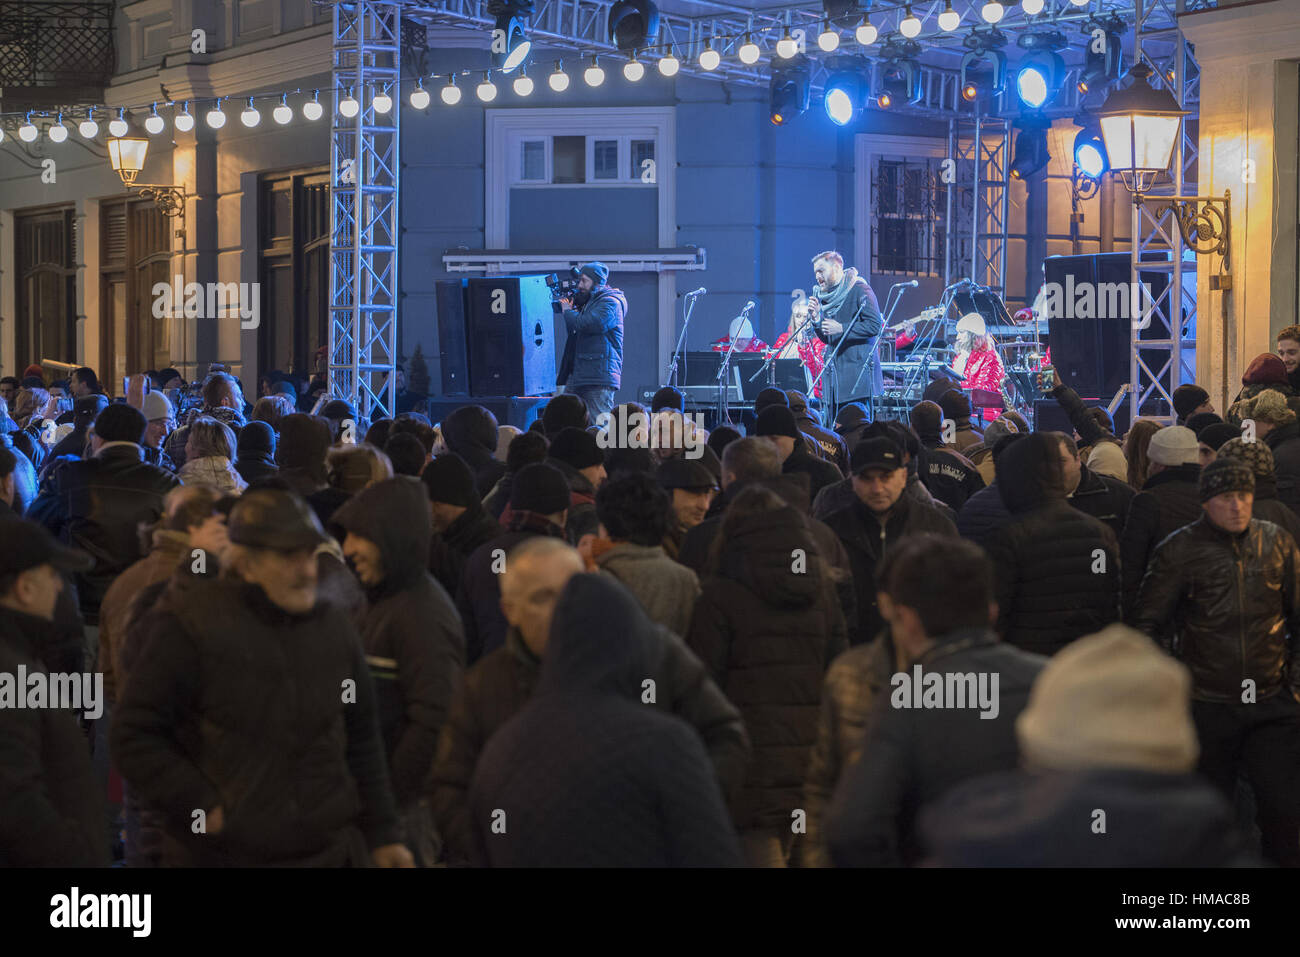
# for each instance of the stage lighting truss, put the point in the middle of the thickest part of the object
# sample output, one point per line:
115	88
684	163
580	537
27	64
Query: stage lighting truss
984	67
789	89
1103	61
510	43
633	24
847	89
899	73
1041	72
1030	154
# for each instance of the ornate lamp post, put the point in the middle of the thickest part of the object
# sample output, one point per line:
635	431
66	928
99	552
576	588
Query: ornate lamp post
127	154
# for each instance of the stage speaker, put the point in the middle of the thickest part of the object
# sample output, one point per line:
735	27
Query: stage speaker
511	336
453	351
1090	352
517	410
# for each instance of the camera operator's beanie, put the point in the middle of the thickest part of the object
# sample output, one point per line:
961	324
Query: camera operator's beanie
1110	700
597	271
1225	475
1188	398
668	398
448	479
539	488
577	448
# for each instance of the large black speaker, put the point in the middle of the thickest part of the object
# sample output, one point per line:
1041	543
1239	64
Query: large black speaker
1090	335
511	336
453	344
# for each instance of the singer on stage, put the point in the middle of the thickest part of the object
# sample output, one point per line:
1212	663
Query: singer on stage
844	310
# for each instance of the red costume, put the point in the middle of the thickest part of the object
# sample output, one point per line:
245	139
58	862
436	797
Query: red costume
813	354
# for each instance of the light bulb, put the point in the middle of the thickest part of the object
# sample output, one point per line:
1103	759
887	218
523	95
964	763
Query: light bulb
866	32
594	75
749	51
250	117
451	92
153	124
117	126
786	47
89	129
58	132
283	113
348	106
523	85
419	97
28	131
950	19
382	102
312	110
669	65
828	40
910	25
1080	3
633	69
215	118
487	90
710	58
1031	7
992	11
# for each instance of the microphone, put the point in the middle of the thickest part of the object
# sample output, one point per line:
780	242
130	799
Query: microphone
748	306
913	283
697	292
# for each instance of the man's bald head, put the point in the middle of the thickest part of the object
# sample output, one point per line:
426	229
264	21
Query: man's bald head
536	571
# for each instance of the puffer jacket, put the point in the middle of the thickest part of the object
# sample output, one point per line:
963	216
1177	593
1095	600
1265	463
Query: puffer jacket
1285	443
1104	498
1227	601
411	631
215	472
1167	502
767	633
98	505
983	512
1056	569
593	354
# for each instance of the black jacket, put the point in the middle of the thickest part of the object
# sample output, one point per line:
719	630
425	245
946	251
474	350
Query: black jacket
831	447
593	353
950	476
1228	601
820	472
1167	502
1104	498
640	781
914	755
983	512
856	361
450	549
235	703
1056	570
51	811
767	635
1285	443
98	505
866	541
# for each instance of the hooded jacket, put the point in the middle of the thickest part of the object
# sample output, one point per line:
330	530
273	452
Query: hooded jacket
471	432
415	646
450	549
950	476
1104	498
767	635
255	457
1056	570
593	354
647	794
1167	502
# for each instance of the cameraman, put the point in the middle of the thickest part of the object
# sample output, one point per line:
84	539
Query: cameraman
592	366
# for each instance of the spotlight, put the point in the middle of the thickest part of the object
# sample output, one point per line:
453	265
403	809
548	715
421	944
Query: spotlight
828	40
846	92
993	11
842	13
900	79
786	47
633	69
116	127
1032	7
788	91
215	118
283	113
749	51
486	91
950	19
58	132
709	57
1090	152
382	102
983	74
89	129
348	106
1042	72
311	110
594	75
510	43
633	24
559	80
1030	153
884	101
450	91
910	25
153	123
523	84
1102	67
250	117
669	64
28	131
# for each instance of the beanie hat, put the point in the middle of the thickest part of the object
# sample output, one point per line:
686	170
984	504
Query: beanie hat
668	398
539	488
955	405
577	448
1175	445
1265	369
1203	420
1110	700
797	400
999	427
1107	458
850	415
1215	434
256	437
471	428
777	420
1224	475
564	411
156	406
973	323
684	473
927	418
1188	398
34	371
770	396
448	479
597	271
1256	456
87	408
304	441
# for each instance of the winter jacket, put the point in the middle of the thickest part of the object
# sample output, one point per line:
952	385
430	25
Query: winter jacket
912	755
479	598
98	505
665	589
853	683
857	367
1268	508
1090	433
499	686
820	472
1228	602
471	433
866	540
1104	498
641	782
159	457
767	634
215	472
829	444
1167	502
255	457
450	549
983	512
411	631
235	703
593	354
51	810
1285	443
1023	819
1055	569
950	476
832	498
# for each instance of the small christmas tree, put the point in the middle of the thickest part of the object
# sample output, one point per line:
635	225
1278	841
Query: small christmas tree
417	373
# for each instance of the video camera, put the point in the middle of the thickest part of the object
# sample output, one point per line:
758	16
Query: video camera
566	287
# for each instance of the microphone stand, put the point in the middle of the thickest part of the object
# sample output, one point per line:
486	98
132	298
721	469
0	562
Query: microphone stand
724	409
769	363
834	354
681	341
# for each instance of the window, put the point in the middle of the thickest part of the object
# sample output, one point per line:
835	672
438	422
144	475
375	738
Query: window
294	273
532	168
908	216
604	160
573	160
570	159
643	158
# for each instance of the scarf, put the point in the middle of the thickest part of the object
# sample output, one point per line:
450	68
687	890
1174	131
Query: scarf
832	300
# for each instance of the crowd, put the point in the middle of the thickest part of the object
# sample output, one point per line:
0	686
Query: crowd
403	643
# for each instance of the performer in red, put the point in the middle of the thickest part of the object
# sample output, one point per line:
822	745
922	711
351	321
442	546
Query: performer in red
977	360
809	349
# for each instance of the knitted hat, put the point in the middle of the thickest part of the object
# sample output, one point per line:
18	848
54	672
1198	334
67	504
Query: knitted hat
1216	434
955	404
798	401
597	271
768	397
926	418
681	472
1203	420
562	412
448	479
973	323
1224	475
1269	406
1188	398
998	428
1175	445
1256	456
1265	369
157	406
539	488
777	420
668	398
576	447
1110	700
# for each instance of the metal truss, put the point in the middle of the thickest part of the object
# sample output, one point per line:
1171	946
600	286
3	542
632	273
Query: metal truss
1163	336
979	202
364	224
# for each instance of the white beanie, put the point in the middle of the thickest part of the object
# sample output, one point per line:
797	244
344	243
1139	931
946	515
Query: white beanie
1174	445
1107	458
973	323
156	406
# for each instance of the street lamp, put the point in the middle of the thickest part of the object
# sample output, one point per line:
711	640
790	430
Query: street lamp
127	154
